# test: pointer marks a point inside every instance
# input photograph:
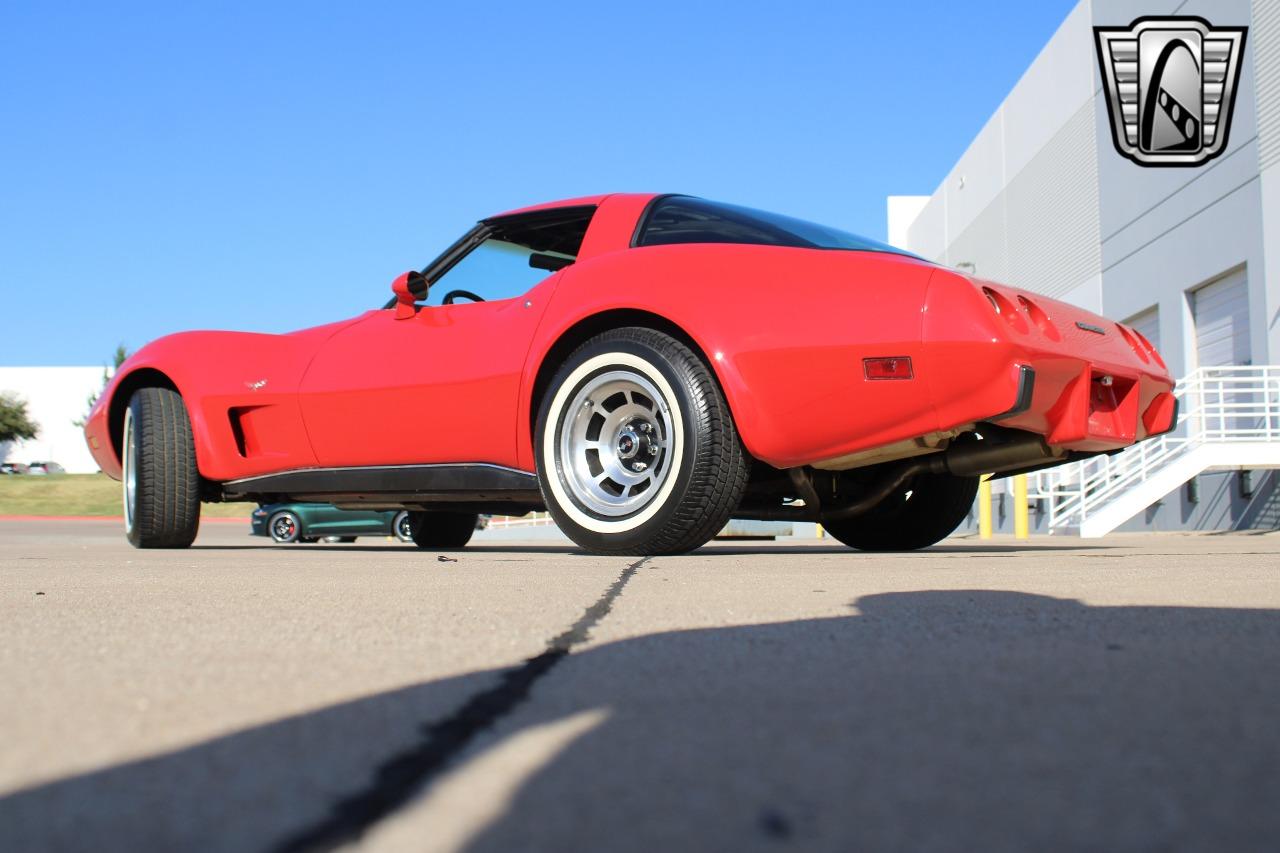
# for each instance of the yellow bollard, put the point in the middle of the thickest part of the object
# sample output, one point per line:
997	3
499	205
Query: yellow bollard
984	508
821	534
1020	521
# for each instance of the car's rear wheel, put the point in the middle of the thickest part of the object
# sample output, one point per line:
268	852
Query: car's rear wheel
402	527
925	510
442	529
637	452
285	527
161	483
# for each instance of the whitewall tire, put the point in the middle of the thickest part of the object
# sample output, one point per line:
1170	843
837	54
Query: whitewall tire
636	449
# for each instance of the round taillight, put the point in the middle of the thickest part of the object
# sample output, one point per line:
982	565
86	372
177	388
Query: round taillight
991	297
1005	308
1133	343
1155	353
1040	319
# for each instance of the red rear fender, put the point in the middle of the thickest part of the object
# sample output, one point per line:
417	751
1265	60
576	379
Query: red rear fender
784	330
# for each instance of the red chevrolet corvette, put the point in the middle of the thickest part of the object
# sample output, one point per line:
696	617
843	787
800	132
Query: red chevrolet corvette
646	367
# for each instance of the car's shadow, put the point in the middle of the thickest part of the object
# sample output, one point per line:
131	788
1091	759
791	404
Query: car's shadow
949	720
725	550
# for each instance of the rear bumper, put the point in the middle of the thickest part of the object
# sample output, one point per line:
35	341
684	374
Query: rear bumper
1092	411
1026	393
1081	381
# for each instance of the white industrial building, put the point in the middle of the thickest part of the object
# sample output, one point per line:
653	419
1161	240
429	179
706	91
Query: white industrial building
56	398
1042	200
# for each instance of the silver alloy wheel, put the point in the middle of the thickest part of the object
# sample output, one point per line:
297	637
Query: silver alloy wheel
615	442
284	528
129	477
402	527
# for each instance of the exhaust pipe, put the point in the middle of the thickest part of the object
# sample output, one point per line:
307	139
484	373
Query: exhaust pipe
973	458
966	459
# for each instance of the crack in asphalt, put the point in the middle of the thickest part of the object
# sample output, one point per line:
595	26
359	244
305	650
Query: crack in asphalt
401	776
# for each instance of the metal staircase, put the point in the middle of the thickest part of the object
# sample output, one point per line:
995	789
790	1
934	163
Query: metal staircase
1228	419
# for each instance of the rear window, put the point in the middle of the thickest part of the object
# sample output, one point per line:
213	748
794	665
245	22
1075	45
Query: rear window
681	219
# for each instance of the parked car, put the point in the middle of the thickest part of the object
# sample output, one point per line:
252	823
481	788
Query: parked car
646	367
43	468
12	468
311	522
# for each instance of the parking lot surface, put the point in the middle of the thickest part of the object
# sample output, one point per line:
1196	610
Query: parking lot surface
1119	694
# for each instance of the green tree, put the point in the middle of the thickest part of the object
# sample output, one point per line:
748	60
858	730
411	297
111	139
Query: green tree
118	358
15	423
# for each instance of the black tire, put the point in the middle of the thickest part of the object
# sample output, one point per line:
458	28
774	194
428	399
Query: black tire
161	481
402	526
285	527
694	437
442	529
926	510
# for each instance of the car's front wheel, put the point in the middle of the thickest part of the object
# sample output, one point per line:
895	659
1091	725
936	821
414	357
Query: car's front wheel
161	483
637	452
925	510
285	527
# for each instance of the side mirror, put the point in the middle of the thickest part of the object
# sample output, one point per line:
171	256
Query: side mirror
407	288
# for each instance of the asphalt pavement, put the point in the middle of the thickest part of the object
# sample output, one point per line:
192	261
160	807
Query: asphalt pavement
1118	694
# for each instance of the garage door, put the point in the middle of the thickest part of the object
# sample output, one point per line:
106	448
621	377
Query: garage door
1222	321
1222	337
1148	325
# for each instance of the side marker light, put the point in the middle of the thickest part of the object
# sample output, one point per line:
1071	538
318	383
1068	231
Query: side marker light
898	367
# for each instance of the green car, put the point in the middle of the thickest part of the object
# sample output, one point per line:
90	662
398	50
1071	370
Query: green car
310	522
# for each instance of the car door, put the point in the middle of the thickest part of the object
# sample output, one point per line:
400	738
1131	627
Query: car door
440	385
349	522
323	519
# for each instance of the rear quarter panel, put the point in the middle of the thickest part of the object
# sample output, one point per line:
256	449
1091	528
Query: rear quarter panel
785	331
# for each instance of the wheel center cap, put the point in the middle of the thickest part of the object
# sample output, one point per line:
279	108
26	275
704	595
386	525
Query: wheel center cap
628	443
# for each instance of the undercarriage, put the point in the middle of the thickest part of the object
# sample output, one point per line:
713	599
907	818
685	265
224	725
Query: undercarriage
794	494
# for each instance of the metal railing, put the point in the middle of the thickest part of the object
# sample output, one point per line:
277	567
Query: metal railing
1232	404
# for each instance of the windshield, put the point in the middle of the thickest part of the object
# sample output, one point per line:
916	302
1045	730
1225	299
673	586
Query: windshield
681	219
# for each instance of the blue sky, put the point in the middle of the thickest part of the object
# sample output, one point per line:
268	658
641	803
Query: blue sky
270	166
